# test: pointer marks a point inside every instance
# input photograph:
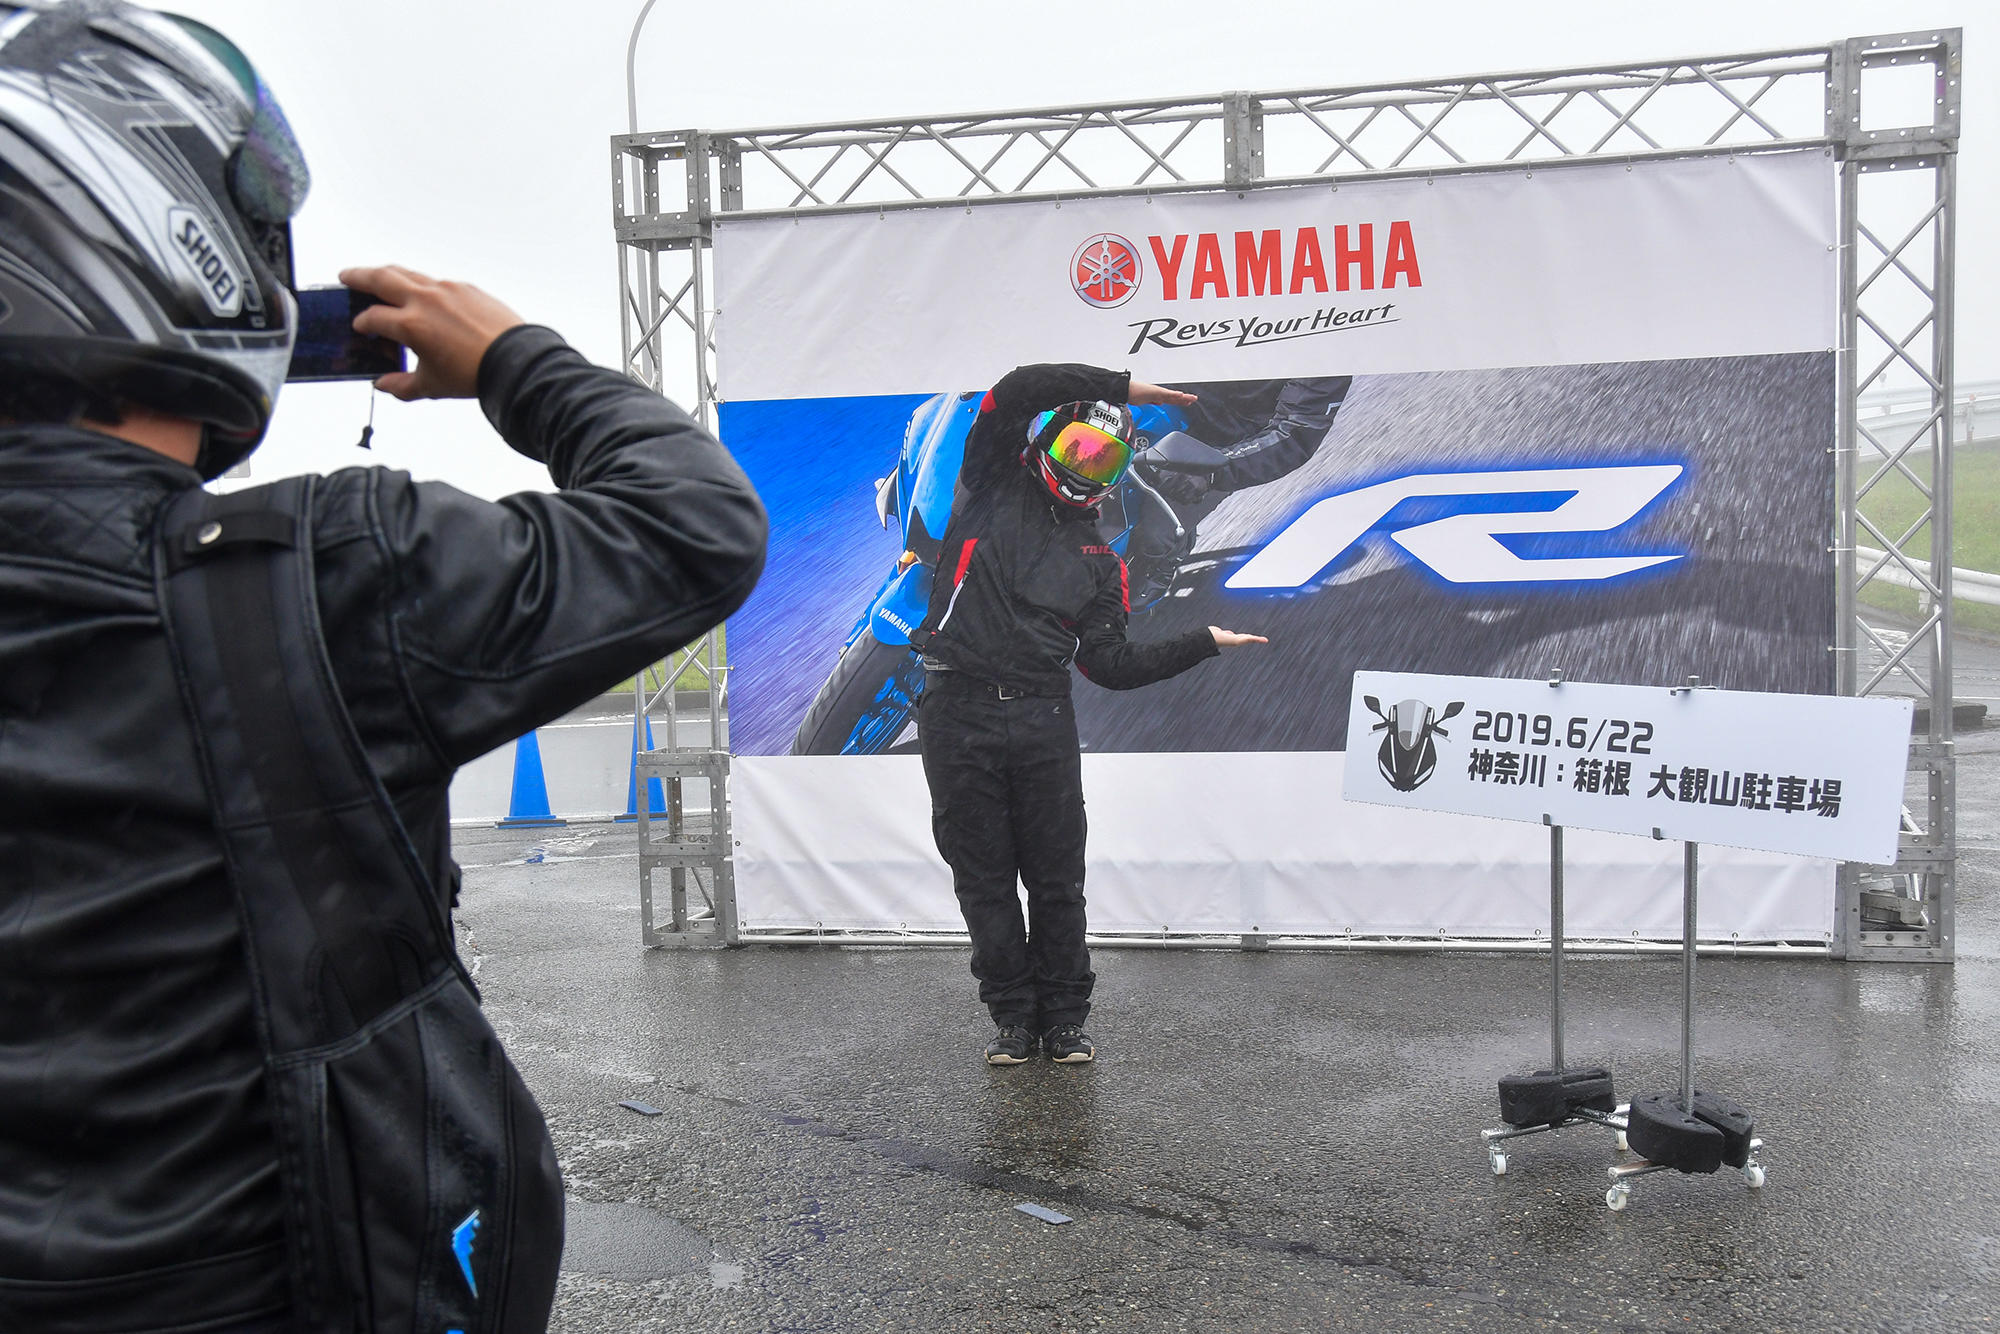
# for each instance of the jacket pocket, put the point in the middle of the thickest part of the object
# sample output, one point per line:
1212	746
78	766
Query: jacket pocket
427	1192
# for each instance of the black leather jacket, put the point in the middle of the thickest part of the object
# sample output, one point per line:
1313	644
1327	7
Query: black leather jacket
134	1142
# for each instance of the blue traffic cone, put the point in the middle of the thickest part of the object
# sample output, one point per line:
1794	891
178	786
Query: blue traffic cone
529	804
656	796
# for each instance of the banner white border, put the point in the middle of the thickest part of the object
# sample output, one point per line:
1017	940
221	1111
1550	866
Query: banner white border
1235	843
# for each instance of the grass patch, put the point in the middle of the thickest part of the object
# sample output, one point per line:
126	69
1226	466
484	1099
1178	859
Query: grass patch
1894	503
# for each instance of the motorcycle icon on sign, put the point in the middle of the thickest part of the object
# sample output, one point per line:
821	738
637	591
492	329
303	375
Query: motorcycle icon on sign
1408	755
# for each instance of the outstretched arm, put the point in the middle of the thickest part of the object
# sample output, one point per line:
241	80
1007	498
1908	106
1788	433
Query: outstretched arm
507	614
1107	658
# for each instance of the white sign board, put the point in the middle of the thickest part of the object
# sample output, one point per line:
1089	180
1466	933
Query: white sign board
1816	775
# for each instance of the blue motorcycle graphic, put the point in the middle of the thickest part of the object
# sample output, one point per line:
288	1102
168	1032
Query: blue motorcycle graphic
870	696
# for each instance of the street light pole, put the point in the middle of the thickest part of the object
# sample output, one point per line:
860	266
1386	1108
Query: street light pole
631	80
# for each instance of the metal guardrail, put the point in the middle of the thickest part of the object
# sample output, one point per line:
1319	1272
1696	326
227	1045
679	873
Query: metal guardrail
1966	585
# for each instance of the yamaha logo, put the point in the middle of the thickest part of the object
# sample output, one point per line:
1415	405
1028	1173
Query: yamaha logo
1105	270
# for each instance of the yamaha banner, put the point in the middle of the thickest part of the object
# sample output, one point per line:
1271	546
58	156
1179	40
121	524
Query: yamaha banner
1498	424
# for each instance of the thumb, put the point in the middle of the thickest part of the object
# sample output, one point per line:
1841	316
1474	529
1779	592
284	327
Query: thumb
400	384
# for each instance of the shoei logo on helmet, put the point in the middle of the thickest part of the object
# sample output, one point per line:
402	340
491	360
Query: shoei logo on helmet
194	240
1105	270
1106	418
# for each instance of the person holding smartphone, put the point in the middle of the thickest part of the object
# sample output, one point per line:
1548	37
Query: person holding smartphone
1025	589
163	1165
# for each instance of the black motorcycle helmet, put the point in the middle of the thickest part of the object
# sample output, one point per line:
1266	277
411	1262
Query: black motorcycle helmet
147	183
1081	450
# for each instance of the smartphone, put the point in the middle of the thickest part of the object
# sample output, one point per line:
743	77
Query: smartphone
327	348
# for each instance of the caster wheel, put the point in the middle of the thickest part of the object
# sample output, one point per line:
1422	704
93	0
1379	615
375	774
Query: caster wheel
1753	1176
1500	1164
1617	1198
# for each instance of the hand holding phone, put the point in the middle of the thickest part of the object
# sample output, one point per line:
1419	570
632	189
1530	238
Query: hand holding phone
449	325
328	348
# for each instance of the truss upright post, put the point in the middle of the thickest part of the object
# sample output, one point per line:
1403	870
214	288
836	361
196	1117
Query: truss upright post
1242	139
651	312
1905	913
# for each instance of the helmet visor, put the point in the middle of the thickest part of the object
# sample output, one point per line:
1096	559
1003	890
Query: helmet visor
268	180
1093	455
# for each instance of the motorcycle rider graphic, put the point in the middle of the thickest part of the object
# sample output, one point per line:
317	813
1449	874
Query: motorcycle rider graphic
1262	430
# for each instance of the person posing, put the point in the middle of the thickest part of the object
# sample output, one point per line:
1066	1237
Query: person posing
1025	588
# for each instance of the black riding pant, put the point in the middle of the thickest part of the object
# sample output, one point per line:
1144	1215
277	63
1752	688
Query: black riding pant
1006	784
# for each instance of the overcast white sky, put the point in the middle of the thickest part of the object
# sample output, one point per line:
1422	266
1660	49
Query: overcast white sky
470	137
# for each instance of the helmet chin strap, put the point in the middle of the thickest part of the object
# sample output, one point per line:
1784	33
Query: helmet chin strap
1054	482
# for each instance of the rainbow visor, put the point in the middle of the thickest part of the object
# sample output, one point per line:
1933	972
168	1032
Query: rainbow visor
1093	455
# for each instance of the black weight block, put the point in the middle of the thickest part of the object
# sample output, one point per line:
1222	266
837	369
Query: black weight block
1588	1088
1735	1124
1659	1131
1585	1086
1533	1100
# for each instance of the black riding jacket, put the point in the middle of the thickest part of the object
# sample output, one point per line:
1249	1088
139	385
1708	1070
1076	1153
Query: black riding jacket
1025	584
134	1140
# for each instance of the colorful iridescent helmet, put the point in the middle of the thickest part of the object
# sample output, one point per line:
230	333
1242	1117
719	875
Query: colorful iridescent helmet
1081	450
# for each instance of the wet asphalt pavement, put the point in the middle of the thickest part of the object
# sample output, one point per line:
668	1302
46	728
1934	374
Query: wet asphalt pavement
1267	1142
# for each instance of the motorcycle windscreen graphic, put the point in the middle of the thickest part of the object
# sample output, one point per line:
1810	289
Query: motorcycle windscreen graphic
1408	755
1682	532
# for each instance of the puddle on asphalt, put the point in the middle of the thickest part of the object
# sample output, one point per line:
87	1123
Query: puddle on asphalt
629	1241
726	1274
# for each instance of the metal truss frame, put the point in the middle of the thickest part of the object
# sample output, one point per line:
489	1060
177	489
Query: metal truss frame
697	853
668	188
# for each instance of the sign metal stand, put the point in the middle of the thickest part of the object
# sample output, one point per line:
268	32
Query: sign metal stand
1739	768
1535	1104
1556	1098
1689	1132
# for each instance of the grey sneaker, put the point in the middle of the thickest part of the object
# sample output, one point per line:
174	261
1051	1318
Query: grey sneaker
1012	1045
1068	1043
